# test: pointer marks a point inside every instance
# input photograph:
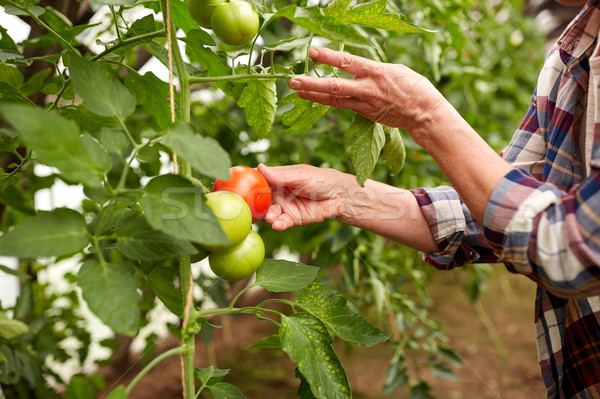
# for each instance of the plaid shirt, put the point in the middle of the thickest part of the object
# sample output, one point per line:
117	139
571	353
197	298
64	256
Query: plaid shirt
543	218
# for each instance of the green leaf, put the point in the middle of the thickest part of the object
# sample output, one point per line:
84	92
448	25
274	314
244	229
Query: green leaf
114	141
118	393
56	142
210	375
292	43
367	139
394	152
137	240
272	342
397	375
127	3
277	275
259	100
441	370
371	15
223	390
153	94
35	10
314	20
213	64
204	154
161	280
420	391
308	344
323	303
101	95
79	388
173	205
10	329
110	290
141	26
59	232
304	114
11	76
304	391
181	16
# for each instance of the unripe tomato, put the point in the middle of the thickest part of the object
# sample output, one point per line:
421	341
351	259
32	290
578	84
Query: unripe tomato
235	22
251	186
201	11
202	253
234	217
240	261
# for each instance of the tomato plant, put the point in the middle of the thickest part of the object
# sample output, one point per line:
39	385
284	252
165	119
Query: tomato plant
240	261
235	22
251	186
82	108
233	215
201	11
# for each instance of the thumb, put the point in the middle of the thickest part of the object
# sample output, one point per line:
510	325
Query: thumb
269	173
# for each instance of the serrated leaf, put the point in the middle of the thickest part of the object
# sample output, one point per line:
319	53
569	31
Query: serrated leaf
211	62
313	19
308	344
223	390
204	154
277	275
367	139
10	329
101	95
59	232
259	100
372	15
394	152
173	205
153	94
181	16
210	375
137	240
110	290
161	280
11	76
56	142
332	309
272	342
292	43
304	114
141	26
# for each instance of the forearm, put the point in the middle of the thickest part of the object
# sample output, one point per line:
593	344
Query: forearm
390	212
469	163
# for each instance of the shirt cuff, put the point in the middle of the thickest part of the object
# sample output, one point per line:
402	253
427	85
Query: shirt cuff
455	231
511	213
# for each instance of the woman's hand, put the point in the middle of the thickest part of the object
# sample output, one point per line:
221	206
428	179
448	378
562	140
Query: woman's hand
304	194
391	94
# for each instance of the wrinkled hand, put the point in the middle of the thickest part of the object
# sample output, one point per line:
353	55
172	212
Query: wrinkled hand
391	94
303	194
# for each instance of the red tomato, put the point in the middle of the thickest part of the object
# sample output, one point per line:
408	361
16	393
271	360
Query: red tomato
249	184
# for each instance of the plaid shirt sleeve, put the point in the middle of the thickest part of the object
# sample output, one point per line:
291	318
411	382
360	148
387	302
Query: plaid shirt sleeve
550	235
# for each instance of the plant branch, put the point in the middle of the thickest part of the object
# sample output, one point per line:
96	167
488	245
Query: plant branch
234	300
154	362
242	76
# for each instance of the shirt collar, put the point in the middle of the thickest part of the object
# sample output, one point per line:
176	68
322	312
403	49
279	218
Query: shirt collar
582	32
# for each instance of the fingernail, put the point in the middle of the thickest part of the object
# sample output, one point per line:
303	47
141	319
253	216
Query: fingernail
313	53
294	84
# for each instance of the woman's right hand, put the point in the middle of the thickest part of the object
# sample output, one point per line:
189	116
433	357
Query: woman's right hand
304	194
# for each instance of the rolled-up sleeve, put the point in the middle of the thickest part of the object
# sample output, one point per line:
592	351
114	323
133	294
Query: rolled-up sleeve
457	234
550	235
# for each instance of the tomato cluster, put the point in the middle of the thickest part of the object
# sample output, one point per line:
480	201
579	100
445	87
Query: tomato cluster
237	203
233	22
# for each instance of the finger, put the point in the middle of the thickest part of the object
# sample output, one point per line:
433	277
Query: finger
357	66
351	103
284	221
273	213
335	86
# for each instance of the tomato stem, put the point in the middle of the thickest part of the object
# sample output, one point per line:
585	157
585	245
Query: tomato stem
241	76
154	362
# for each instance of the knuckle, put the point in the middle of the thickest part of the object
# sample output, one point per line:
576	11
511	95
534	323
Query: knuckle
345	61
335	87
378	71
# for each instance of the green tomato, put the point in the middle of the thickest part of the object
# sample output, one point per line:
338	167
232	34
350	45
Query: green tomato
201	254
235	23
234	217
201	11
240	261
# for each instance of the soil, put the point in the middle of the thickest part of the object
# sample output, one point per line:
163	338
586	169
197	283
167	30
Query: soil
506	305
